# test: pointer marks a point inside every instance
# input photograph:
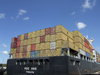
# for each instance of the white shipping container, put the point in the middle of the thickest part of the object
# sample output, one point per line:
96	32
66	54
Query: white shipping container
53	45
82	52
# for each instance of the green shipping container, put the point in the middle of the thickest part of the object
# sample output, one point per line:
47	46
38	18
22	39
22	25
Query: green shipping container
37	53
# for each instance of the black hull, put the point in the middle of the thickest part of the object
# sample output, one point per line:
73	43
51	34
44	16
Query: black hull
2	71
58	65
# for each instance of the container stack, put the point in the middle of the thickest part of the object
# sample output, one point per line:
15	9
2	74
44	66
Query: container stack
42	43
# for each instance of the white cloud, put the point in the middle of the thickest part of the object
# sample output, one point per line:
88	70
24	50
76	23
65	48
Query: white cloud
2	15
4	45
81	25
21	12
4	52
26	18
12	18
73	13
88	5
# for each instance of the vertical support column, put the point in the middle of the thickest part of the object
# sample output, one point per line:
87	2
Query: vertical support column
68	52
79	55
86	58
83	58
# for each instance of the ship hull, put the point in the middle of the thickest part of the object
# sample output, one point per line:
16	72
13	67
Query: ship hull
58	65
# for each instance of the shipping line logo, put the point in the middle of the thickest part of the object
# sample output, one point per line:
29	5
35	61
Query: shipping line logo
28	70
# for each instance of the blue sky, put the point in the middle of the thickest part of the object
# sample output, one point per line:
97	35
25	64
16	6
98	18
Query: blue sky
23	16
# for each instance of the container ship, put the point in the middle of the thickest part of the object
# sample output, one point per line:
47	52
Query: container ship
52	51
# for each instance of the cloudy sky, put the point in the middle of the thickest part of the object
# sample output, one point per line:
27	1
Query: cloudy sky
23	16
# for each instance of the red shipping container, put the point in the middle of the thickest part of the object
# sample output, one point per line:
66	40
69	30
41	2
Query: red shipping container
17	55
14	39
19	37
42	39
18	43
24	55
25	36
47	31
18	49
24	48
53	30
12	45
86	41
86	45
15	45
33	47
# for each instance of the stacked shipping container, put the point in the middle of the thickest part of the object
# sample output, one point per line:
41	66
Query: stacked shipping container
46	42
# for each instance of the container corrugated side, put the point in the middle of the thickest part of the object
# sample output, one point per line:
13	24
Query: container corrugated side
24	54
14	50
47	38
25	42
42	46
22	37
37	39
37	53
21	43
13	56
37	47
47	53
38	33
58	52
79	45
29	41
42	53
52	45
30	35
21	49
11	50
59	43
33	34
25	36
28	48
33	46
32	54
42	32
20	55
47	45
53	38
28	54
61	36
17	55
33	40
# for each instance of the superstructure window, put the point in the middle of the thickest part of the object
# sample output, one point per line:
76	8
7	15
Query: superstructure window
77	63
72	62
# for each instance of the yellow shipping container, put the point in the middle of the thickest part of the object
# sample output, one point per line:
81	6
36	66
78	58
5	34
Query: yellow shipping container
25	42
47	38
37	39
33	34
21	49
37	47
29	35
28	47
73	46
47	45
53	38
69	39
20	55
87	50
14	50
60	28
42	46
61	36
37	33
79	45
59	43
42	53
13	56
11	50
48	53
84	48
42	32
77	33
22	37
58	52
28	54
33	41
29	41
90	45
21	43
53	52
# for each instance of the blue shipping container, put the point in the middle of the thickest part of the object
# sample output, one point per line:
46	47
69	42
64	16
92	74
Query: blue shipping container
87	54
32	54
